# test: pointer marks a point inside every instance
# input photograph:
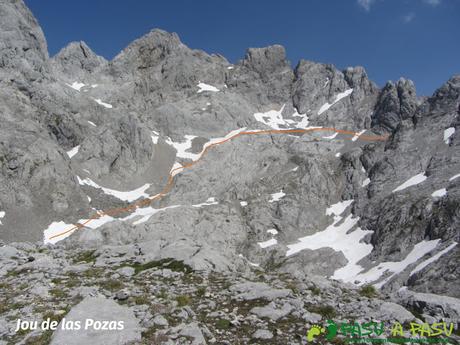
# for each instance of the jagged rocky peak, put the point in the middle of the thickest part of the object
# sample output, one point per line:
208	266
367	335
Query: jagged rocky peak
396	102
266	60
23	46
357	78
77	57
149	50
447	96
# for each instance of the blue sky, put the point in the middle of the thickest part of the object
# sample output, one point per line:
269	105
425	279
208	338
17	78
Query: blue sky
417	39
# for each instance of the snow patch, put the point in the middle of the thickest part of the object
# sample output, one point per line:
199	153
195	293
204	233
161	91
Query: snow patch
155	136
274	119
439	193
2	215
206	87
56	228
145	213
92	123
448	133
338	208
106	105
249	262
125	196
277	196
338	237
331	136
76	85
243	203
366	182
182	147
73	152
425	263
357	135
414	180
177	168
372	275
338	154
272	231
269	243
454	177
339	96
210	201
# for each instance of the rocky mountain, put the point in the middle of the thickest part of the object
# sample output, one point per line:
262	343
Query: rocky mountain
246	173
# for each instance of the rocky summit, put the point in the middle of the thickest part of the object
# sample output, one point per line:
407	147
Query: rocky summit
202	202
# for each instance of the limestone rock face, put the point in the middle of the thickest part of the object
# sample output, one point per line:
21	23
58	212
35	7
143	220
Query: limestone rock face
95	142
23	47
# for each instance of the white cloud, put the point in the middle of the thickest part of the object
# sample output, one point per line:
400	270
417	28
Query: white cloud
432	2
366	4
409	17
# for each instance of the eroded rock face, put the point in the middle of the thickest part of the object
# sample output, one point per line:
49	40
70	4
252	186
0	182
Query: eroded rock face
96	136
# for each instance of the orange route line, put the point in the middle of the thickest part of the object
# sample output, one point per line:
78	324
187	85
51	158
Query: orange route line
170	181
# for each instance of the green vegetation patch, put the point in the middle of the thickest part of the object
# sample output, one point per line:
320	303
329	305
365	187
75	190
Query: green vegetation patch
368	291
172	264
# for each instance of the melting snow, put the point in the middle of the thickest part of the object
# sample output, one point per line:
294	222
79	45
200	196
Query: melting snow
73	152
92	123
425	263
206	87
125	196
419	250
357	135
448	133
146	213
56	228
107	105
2	214
76	85
155	136
230	67
210	201
271	118
414	180
454	177
277	196
331	136
341	95
338	154
176	169
366	182
337	237
274	119
243	203
269	243
439	193
272	231
249	262
182	147
338	208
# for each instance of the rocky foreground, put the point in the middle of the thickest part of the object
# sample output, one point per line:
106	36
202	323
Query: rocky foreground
167	302
242	246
